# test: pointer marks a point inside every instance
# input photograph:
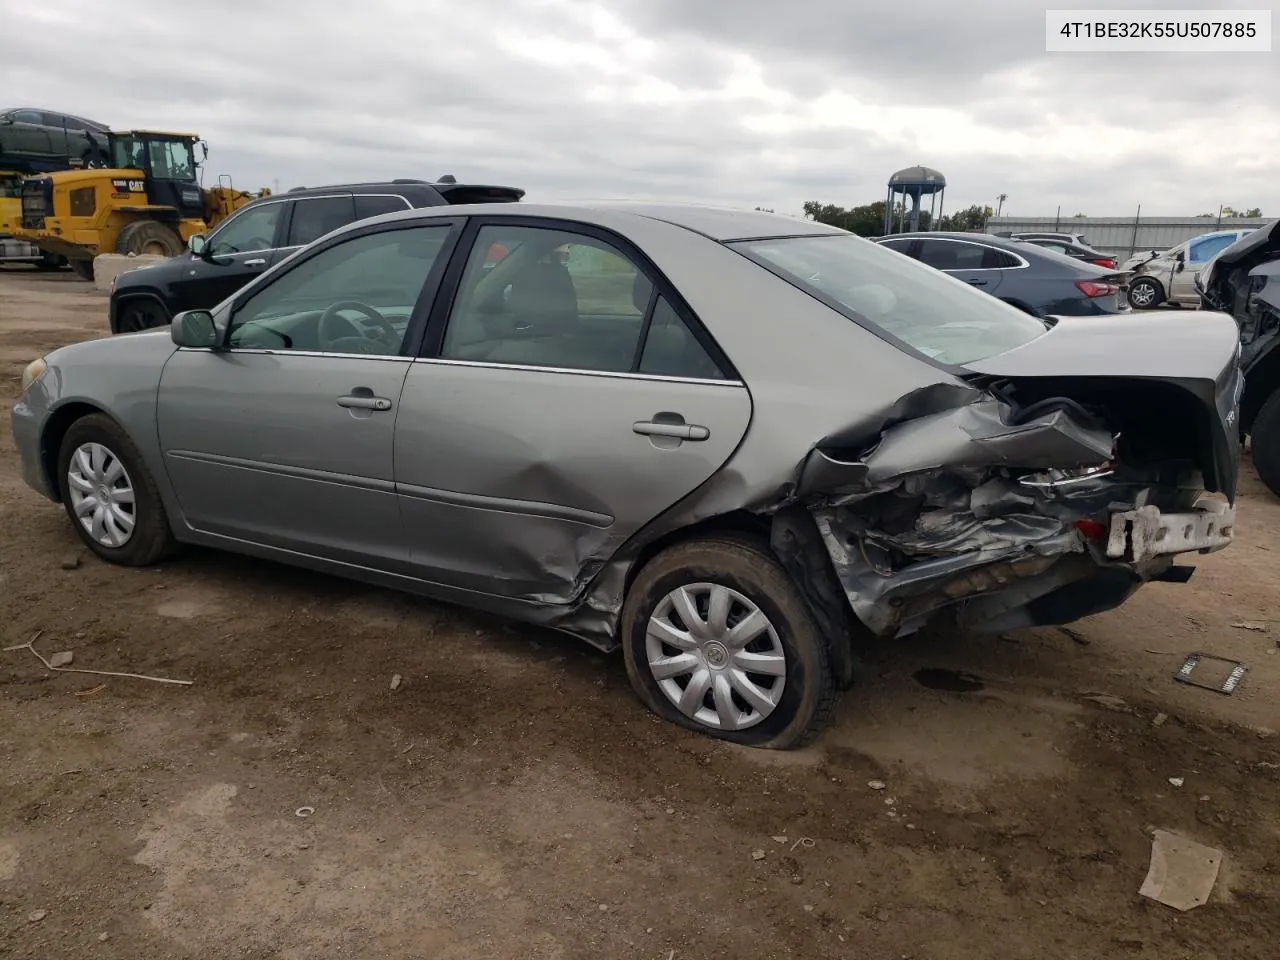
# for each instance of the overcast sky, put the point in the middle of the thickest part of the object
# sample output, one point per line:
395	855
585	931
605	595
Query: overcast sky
745	102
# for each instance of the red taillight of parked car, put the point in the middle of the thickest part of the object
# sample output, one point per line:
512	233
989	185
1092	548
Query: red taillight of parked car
1091	288
1104	262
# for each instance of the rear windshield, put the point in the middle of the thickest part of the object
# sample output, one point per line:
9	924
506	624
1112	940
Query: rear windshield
939	316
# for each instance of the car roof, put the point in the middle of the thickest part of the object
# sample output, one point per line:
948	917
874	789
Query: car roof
57	113
402	185
1005	243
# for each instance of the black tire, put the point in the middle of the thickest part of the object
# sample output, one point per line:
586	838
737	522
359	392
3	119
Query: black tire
1155	291
51	261
148	237
746	566
151	538
83	269
1265	434
140	313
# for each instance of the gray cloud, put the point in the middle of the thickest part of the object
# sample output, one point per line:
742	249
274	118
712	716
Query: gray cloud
748	103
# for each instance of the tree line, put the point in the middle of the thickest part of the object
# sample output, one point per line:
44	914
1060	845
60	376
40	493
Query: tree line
868	219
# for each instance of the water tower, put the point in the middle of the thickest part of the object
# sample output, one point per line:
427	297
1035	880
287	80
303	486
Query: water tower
914	182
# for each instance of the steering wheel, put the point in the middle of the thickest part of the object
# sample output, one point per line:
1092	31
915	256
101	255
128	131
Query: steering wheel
332	317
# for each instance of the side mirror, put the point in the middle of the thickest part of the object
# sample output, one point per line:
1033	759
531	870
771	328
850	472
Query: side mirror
1180	256
196	244
195	329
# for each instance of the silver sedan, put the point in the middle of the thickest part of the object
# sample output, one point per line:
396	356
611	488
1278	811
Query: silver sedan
731	444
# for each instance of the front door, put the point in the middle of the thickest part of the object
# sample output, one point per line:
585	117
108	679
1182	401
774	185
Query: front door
236	252
1199	253
285	438
548	427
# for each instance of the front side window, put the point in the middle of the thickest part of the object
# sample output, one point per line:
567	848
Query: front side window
355	298
254	229
1204	250
171	160
313	218
936	315
26	116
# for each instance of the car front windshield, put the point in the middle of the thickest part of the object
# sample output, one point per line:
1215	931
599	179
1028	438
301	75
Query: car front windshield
941	317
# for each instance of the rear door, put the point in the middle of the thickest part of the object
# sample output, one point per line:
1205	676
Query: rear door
566	397
310	219
27	135
974	263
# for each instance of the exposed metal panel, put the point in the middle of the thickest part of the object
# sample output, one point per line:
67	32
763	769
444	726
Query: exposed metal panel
1125	236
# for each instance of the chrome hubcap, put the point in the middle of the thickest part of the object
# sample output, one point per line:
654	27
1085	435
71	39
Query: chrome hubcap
102	495
716	656
1143	294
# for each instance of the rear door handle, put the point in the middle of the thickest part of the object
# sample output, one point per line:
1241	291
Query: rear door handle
365	403
678	431
978	283
256	262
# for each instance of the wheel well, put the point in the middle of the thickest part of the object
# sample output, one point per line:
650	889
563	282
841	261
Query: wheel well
123	299
1262	380
60	422
792	537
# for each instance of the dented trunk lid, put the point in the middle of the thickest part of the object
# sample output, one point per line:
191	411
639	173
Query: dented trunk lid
1196	353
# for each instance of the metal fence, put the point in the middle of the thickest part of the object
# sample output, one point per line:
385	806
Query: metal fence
1125	236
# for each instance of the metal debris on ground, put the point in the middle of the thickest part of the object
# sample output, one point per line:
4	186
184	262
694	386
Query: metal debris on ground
805	842
304	812
30	645
1224	685
1182	871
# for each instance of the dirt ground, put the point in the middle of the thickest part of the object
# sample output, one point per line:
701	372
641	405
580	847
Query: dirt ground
513	799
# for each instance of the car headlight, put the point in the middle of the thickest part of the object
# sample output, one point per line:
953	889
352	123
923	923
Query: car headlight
34	371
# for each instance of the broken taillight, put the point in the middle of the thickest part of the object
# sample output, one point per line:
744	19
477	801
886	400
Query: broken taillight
1092	529
1091	288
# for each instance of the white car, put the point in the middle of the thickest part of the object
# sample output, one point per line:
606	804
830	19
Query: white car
1170	276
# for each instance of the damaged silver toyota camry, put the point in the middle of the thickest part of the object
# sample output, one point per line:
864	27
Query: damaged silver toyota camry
729	443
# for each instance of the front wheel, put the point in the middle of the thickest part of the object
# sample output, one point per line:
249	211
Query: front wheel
718	639
110	495
1145	293
1265	433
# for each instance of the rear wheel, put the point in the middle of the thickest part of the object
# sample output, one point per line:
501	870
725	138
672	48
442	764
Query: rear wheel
110	495
1145	293
718	639
146	237
1265	434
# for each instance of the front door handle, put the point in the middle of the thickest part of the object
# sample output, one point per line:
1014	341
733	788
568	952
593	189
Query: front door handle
364	403
977	283
677	431
256	262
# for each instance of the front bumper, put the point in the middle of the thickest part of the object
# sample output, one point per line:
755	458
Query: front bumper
1146	533
26	438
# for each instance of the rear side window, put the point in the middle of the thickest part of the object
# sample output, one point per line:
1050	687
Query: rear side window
373	206
671	349
902	246
313	218
958	255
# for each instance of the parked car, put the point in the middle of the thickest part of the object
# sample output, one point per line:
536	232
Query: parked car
729	443
263	233
1244	280
1075	251
34	140
1036	280
1169	277
1079	239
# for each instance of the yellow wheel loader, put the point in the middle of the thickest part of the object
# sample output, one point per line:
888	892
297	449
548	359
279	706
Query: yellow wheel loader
148	201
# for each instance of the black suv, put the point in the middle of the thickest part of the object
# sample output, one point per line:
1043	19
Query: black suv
263	233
